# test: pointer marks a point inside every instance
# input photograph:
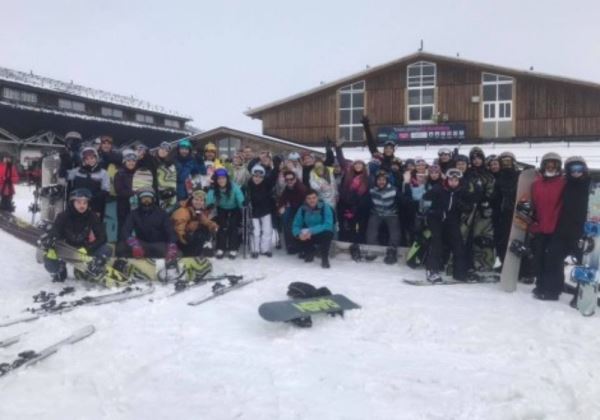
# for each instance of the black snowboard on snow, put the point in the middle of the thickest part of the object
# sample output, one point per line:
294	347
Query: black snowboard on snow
287	310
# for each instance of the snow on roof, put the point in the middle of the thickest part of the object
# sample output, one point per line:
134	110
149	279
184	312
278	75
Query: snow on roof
91	117
47	83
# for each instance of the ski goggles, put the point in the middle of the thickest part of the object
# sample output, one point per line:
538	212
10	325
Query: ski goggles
444	151
130	157
454	173
576	168
258	174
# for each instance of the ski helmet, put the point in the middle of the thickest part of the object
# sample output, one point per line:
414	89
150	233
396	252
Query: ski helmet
73	135
476	152
491	158
551	156
444	151
80	193
576	164
294	156
462	158
88	151
507	154
185	144
129	154
258	170
165	145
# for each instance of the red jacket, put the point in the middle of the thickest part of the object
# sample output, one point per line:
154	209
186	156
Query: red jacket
8	178
546	197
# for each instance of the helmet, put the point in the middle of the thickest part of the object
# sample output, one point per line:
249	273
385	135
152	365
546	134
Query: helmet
80	193
185	144
73	135
476	152
491	158
210	147
444	151
507	154
221	172
129	154
165	145
258	170
576	163
462	158
293	156
88	150
551	156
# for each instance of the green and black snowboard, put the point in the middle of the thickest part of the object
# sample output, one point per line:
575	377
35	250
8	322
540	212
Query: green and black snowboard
287	310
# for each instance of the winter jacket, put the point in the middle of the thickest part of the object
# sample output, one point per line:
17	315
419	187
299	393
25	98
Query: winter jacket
80	230
106	158
546	197
261	197
325	186
149	224
187	167
8	178
231	201
505	189
447	204
96	180
187	220
317	220
292	197
574	209
384	201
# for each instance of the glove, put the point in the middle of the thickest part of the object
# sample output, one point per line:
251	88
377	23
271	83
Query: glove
171	253
46	241
136	249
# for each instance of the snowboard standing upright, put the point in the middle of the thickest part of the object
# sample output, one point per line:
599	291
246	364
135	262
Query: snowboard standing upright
518	231
142	178
52	192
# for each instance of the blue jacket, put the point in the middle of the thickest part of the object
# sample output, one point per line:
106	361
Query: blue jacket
187	167
317	220
235	199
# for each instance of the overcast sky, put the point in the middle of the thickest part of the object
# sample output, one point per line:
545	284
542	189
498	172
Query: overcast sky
213	60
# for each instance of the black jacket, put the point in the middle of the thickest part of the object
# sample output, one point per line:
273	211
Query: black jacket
505	189
106	158
261	196
150	225
447	204
574	210
74	228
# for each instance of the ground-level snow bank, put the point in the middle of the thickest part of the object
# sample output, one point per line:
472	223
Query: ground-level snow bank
447	352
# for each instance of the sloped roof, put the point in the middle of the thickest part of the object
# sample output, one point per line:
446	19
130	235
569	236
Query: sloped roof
46	83
421	55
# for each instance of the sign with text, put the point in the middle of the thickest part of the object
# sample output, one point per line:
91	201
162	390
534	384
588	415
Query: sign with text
421	132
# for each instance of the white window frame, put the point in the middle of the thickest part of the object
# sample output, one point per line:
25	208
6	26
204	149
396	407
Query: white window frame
352	89
422	84
71	105
172	123
144	118
497	105
111	112
19	95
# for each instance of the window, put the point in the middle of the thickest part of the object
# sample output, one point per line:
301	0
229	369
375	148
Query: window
172	123
497	97
352	109
19	95
420	82
71	105
111	112
148	119
228	146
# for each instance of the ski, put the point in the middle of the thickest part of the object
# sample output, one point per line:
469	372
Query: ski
52	307
447	282
11	340
29	358
219	289
183	285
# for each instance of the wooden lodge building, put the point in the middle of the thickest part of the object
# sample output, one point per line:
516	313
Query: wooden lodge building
432	98
36	112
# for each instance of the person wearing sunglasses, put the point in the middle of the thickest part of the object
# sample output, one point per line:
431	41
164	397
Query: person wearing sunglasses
448	203
290	200
445	160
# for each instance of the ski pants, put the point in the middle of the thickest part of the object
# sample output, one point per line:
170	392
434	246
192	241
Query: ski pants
321	240
151	249
262	234
353	229
291	243
447	233
6	203
52	265
549	253
228	236
195	243
502	233
392	224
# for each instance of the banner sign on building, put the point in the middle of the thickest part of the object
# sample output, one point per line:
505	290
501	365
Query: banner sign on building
422	132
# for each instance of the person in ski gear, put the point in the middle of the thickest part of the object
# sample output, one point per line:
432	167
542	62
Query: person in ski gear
148	231
123	184
91	176
384	203
387	157
210	157
9	177
260	197
308	163
240	174
228	199
166	177
546	200
289	201
503	200
70	157
193	226
448	203
186	166
445	160
322	180
106	154
80	227
313	226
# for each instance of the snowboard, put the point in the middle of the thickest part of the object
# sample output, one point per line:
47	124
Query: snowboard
365	252
482	279
219	289
287	310
29	358
166	179
52	191
142	178
518	231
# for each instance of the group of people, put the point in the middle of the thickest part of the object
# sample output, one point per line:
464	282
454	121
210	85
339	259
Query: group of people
460	206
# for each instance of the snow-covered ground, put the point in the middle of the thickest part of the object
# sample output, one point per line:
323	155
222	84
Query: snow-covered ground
448	352
525	152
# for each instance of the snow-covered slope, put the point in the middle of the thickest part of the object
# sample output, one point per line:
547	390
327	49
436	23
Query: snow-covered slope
448	352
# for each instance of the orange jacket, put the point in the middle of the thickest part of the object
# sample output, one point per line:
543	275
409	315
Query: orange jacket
185	220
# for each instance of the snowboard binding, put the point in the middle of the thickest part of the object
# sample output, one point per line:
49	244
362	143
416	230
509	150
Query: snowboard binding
520	249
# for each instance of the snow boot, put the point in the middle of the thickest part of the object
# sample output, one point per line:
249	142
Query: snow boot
254	255
61	274
355	252
391	256
219	254
433	276
232	255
